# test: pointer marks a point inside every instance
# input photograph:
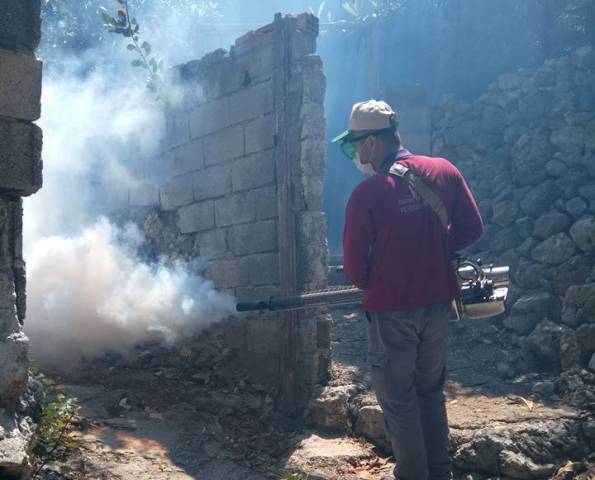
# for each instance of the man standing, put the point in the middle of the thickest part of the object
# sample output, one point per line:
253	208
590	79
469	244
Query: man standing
398	249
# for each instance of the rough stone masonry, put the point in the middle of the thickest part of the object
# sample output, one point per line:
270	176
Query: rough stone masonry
243	159
528	148
20	167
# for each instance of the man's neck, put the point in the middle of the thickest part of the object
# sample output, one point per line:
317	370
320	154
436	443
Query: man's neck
388	160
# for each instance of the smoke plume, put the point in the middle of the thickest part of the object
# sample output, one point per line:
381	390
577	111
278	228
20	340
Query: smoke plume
88	292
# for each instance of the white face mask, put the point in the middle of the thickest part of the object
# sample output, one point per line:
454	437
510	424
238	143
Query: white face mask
366	169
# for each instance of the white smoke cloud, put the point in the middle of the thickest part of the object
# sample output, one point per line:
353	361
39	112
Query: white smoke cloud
87	290
95	127
89	294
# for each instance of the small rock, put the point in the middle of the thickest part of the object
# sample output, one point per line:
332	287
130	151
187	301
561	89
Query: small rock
556	168
586	338
544	342
555	250
330	409
578	306
505	213
551	223
539	198
544	389
583	234
592	363
522	324
576	206
517	465
572	272
370	424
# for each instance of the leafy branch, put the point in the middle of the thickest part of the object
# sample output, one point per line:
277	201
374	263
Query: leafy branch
123	24
362	9
52	429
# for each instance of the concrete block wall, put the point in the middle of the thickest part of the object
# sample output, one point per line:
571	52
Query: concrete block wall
244	160
20	167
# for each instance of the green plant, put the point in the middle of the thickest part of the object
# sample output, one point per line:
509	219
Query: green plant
52	430
128	27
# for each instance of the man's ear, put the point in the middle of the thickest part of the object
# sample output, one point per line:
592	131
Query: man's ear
372	139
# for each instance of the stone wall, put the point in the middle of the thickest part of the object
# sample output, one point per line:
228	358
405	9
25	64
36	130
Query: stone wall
244	162
20	167
527	147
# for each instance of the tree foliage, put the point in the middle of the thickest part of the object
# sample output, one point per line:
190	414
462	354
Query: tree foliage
129	27
73	26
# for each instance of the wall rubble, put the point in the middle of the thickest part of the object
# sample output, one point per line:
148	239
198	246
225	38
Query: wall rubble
527	147
20	164
244	162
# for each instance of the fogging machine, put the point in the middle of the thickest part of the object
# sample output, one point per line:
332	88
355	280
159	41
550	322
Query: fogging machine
484	290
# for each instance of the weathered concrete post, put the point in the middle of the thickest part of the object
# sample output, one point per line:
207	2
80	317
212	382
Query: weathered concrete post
20	175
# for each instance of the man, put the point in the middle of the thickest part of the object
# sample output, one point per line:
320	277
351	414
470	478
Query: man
398	249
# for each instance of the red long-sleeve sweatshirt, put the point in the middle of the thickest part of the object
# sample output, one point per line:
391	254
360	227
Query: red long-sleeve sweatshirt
395	247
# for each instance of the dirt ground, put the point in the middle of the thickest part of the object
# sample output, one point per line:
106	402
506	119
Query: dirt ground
145	422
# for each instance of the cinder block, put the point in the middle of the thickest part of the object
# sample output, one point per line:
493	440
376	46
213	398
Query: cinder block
263	268
302	44
234	332
312	250
224	146
261	367
254	237
260	134
211	182
177	130
188	158
20	23
254	294
254	42
314	80
308	334
196	217
267	336
209	118
176	192
20	157
312	172
266	202
253	66
212	245
312	118
313	369
228	273
253	171
20	85
251	102
239	208
144	195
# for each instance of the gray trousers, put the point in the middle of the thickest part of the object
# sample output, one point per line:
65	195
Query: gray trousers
407	358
